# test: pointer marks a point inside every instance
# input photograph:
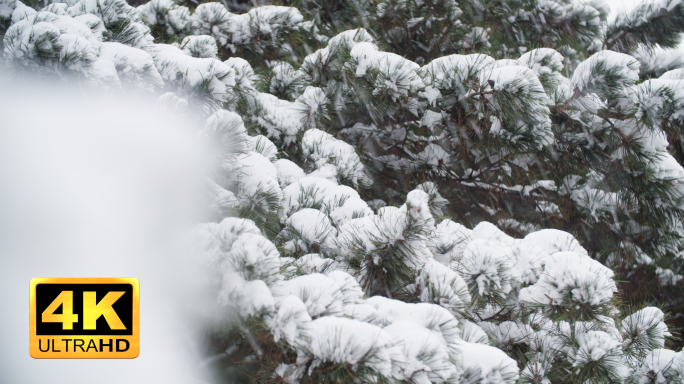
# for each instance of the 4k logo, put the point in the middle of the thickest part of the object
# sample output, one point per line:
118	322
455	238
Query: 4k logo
84	318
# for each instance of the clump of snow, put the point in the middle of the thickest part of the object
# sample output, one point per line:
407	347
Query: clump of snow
542	60
488	364
135	67
212	19
263	146
288	172
664	366
307	230
63	42
340	340
281	119
244	74
200	46
315	263
394	75
449	241
645	329
425	357
322	148
571	278
440	285
606	72
190	73
322	194
594	346
257	181
321	295
291	321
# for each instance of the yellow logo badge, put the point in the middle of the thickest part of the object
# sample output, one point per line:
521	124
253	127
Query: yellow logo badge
84	318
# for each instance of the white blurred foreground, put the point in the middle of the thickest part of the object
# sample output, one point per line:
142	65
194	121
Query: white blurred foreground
95	186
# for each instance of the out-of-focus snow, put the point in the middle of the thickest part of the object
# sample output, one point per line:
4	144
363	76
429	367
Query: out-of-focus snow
98	187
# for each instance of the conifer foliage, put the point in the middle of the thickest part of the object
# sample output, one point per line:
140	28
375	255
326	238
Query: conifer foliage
414	191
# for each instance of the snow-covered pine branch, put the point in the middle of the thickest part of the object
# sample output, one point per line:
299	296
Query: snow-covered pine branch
383	171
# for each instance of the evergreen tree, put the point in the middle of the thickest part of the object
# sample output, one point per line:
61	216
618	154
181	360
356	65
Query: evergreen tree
384	169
